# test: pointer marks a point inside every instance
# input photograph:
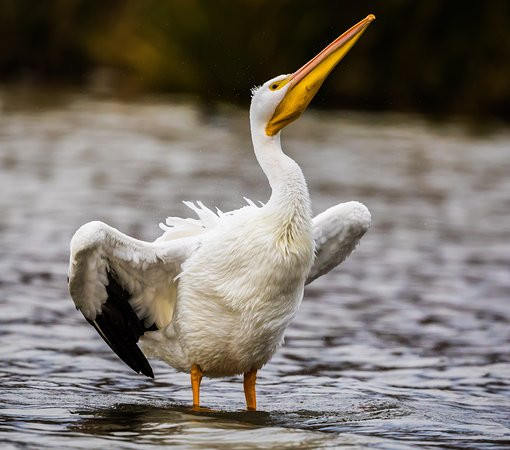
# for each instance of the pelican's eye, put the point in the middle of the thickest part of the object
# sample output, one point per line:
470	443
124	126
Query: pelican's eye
278	84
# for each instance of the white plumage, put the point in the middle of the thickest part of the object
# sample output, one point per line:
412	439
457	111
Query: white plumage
153	272
216	292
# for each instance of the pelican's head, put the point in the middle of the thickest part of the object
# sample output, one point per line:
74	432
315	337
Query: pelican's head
283	99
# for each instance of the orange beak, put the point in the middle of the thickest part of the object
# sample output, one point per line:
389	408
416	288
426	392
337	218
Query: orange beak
305	82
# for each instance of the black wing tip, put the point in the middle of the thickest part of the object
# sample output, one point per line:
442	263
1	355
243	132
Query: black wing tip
120	327
130	354
148	373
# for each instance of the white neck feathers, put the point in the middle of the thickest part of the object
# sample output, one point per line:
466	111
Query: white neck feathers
289	191
289	204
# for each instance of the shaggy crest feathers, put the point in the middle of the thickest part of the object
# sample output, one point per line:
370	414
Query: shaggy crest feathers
254	90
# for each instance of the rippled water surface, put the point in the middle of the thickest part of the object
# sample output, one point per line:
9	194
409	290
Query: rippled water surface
408	342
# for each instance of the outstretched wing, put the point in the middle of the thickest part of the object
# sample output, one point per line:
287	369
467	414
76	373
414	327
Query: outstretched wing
124	286
336	232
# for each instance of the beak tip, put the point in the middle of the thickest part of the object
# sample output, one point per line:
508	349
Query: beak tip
370	18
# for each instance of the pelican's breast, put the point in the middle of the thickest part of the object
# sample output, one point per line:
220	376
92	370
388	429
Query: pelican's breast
239	292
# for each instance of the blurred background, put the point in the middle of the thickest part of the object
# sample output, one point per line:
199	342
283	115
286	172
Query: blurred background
117	110
434	56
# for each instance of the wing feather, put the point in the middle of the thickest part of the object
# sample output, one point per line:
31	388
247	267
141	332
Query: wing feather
120	327
125	287
336	232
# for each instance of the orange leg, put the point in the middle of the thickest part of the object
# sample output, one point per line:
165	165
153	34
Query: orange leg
196	379
249	389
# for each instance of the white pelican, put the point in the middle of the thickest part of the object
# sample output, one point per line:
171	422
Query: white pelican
213	296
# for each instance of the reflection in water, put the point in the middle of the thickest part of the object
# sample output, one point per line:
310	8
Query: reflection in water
406	343
157	425
178	425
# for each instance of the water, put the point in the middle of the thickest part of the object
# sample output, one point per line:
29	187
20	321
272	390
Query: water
407	343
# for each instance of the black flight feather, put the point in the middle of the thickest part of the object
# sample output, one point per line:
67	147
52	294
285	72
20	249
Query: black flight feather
120	327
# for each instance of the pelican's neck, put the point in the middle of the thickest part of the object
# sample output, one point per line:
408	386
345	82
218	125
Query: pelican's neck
289	191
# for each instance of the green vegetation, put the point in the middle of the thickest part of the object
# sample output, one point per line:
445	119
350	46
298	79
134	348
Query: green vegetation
430	55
